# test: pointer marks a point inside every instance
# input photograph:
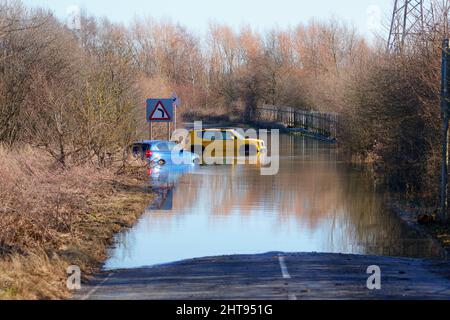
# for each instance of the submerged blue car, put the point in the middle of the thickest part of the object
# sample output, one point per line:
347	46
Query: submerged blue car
160	152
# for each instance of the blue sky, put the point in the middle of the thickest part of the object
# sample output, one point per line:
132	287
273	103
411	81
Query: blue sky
366	15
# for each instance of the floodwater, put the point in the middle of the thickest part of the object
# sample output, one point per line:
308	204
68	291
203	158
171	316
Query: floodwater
316	203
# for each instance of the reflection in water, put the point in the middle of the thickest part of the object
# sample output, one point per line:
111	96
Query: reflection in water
315	204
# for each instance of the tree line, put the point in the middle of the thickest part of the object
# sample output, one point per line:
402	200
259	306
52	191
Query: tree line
79	94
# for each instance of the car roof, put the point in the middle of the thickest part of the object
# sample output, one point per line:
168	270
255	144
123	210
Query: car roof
215	129
152	141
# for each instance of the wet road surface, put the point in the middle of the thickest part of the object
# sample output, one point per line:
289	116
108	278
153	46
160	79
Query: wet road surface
275	276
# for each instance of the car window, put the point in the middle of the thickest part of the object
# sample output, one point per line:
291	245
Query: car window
162	146
213	135
136	149
228	135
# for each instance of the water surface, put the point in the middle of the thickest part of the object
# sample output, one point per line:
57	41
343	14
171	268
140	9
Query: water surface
316	203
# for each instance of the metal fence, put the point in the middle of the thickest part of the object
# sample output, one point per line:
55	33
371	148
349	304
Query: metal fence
318	123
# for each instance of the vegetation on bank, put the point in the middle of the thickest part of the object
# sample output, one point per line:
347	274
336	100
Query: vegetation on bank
53	217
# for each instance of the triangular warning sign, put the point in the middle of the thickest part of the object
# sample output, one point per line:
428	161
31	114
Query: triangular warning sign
159	113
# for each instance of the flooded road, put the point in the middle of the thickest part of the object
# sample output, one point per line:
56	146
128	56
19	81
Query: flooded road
316	203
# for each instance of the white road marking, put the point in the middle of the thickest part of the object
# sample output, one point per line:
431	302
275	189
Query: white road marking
284	270
285	274
87	296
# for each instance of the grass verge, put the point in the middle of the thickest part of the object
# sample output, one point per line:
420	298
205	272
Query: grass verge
52	218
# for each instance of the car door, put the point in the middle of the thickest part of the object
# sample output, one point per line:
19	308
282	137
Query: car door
188	157
162	149
213	142
182	156
229	143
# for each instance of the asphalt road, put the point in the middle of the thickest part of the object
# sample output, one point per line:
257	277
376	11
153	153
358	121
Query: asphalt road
274	276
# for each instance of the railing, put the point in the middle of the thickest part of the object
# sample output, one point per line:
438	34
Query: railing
320	124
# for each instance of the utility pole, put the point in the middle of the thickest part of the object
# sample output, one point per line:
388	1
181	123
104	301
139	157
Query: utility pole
445	129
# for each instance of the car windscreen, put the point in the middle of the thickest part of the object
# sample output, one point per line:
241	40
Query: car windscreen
166	146
213	135
238	135
171	145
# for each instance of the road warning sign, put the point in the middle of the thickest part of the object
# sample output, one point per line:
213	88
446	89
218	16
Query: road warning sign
159	113
159	110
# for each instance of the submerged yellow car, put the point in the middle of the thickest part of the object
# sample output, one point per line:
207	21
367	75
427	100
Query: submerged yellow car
223	142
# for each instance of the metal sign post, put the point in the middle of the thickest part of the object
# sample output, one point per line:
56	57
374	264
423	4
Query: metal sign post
176	103
168	131
175	117
445	129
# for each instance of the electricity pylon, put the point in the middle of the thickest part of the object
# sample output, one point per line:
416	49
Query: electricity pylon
410	19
